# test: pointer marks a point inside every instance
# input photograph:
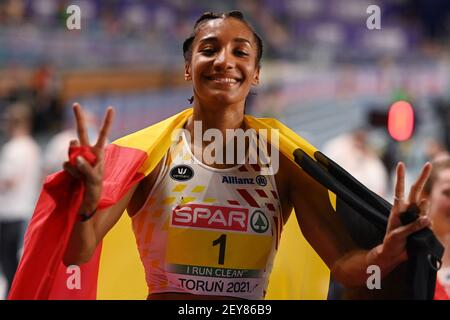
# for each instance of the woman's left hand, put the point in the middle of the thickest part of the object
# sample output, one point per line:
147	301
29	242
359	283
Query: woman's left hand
393	250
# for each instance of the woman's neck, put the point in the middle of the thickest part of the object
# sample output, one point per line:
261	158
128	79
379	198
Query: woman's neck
218	117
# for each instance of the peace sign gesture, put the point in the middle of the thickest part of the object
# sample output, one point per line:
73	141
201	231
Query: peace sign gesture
394	244
90	174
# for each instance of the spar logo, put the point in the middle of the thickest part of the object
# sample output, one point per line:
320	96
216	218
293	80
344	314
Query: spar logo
259	222
210	217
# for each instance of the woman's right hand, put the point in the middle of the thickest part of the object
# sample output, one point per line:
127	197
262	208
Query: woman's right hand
91	175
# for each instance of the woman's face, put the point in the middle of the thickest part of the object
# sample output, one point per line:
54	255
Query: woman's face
223	64
440	204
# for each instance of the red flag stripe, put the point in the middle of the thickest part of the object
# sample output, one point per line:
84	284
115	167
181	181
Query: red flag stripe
41	269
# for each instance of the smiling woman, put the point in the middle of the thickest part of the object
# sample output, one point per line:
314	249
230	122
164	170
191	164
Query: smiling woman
200	232
222	58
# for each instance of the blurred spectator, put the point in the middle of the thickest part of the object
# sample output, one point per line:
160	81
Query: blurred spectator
435	151
19	183
293	29
437	190
14	11
442	111
354	154
56	150
48	111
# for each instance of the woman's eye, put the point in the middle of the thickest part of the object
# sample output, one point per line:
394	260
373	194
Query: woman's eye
241	53
207	51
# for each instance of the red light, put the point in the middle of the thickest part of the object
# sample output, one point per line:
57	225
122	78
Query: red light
401	120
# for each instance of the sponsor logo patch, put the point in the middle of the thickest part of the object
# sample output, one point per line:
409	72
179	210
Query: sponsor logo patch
237	180
210	217
259	222
261	180
181	173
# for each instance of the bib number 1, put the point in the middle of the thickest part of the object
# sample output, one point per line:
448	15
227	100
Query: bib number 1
221	241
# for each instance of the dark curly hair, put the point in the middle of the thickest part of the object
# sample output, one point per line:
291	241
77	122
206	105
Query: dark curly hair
187	44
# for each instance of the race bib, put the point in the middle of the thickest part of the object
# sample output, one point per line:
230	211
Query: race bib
219	250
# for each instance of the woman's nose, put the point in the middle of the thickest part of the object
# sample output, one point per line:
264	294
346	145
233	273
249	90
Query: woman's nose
224	60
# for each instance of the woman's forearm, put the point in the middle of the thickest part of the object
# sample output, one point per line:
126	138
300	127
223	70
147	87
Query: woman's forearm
82	243
352	269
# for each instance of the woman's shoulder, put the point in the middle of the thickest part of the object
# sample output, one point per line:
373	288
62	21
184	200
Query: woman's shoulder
143	190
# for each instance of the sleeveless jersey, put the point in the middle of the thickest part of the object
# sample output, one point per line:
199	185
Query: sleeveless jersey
208	231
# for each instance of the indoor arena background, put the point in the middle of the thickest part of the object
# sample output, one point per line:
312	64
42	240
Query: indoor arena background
326	70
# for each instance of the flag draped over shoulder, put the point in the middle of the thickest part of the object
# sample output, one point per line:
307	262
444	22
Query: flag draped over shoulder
115	271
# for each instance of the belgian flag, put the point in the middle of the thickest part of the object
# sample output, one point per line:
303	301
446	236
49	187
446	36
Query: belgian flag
115	271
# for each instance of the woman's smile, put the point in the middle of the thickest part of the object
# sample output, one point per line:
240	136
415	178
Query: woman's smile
223	80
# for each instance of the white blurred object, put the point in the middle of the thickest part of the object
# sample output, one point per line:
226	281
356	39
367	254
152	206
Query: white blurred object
2	288
352	153
56	151
20	162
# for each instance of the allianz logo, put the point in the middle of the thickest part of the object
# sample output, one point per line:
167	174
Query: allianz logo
237	180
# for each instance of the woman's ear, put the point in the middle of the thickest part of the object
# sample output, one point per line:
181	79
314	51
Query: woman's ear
187	72
255	80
